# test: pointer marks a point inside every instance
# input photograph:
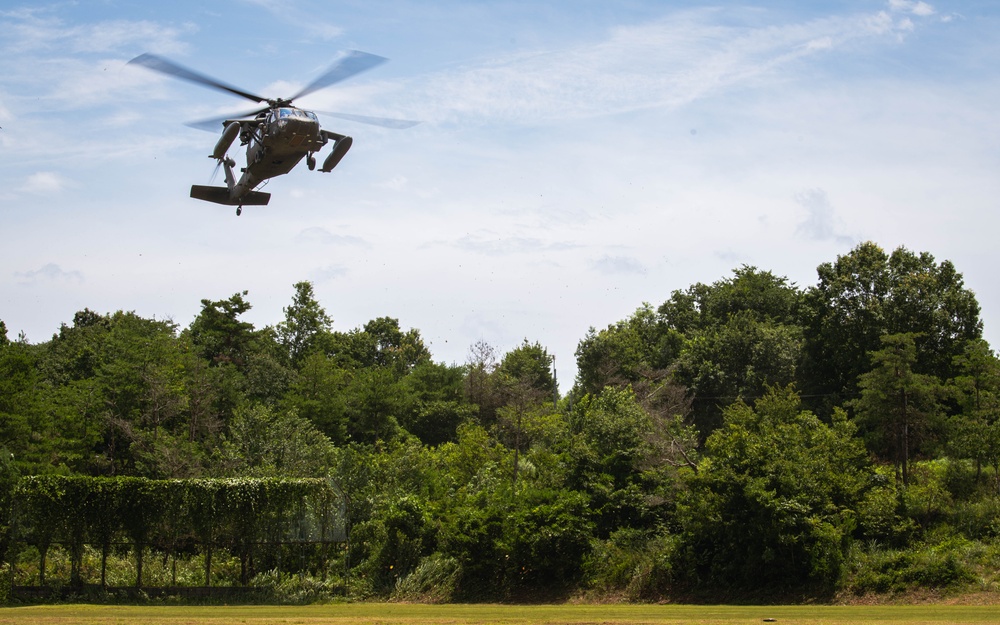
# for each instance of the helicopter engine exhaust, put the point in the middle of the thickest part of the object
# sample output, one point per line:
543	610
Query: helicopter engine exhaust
340	148
228	136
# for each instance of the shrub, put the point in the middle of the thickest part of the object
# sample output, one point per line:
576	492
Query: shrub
631	562
433	581
948	565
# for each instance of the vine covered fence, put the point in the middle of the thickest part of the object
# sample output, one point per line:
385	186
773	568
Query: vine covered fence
269	524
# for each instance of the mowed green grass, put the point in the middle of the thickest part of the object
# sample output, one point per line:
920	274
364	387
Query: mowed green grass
403	614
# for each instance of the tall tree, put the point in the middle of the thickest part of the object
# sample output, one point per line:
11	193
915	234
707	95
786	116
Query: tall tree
761	294
21	404
531	365
898	407
721	340
436	405
974	432
867	294
738	358
481	385
305	318
380	343
318	395
626	352
219	333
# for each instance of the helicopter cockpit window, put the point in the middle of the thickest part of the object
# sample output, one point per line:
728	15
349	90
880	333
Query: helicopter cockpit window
287	113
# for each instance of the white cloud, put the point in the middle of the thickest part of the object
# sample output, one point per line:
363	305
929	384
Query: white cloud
618	265
920	9
821	223
396	183
322	236
44	183
503	245
307	19
50	272
34	31
667	64
330	272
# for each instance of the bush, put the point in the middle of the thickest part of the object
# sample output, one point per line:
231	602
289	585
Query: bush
285	588
977	519
879	520
633	563
433	581
948	565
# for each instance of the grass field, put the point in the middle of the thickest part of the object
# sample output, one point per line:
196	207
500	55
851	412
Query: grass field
402	614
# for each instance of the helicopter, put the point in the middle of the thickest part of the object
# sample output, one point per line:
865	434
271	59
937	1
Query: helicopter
278	136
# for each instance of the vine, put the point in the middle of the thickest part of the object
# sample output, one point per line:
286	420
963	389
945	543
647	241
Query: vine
242	515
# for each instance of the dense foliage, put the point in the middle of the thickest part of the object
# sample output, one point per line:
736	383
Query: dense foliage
743	436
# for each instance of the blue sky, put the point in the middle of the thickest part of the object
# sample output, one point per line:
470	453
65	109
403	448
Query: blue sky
575	159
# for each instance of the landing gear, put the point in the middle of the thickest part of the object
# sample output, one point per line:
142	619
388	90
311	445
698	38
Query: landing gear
239	211
310	161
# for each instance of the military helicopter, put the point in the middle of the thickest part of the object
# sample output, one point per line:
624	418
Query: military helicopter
276	136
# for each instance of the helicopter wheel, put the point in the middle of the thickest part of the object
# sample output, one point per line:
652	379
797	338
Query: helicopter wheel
310	162
239	211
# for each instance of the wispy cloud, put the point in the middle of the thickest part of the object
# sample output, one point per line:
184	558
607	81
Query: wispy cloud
322	236
821	223
70	65
503	245
44	183
668	63
330	272
304	18
921	9
618	265
50	272
29	31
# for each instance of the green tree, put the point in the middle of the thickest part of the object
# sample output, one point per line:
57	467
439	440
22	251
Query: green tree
218	332
609	449
761	294
374	400
978	379
436	405
381	343
771	503
974	432
263	442
529	364
21	403
113	383
304	320
481	385
318	394
626	352
898	407
867	294
510	541
737	358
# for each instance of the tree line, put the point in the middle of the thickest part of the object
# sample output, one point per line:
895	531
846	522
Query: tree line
748	435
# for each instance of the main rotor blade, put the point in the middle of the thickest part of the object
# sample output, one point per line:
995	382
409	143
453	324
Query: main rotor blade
385	122
164	66
354	63
212	124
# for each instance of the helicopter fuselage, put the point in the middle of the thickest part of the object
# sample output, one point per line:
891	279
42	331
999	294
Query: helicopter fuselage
276	142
